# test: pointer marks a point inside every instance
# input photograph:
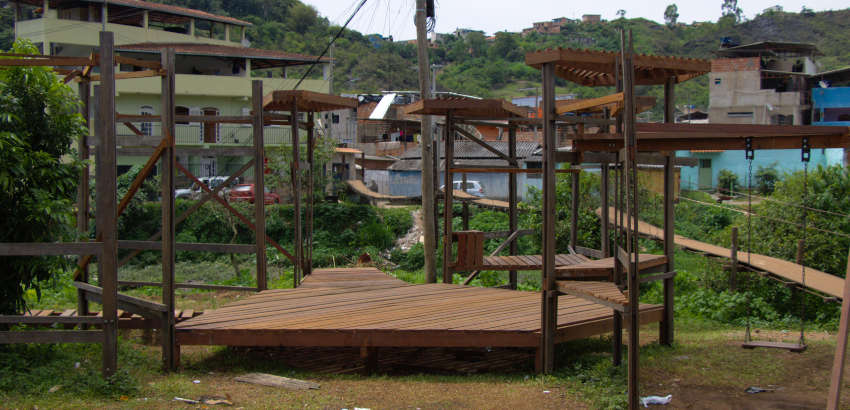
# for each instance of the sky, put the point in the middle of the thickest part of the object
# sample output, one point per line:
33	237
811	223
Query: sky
395	17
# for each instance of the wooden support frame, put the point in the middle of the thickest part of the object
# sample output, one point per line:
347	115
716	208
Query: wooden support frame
259	183
549	302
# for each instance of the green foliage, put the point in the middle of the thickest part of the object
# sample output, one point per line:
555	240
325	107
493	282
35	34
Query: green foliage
766	177
280	157
727	181
671	15
38	124
410	261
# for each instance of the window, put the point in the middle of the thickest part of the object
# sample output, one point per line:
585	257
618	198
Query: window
146	127
335	119
716	81
740	114
780	119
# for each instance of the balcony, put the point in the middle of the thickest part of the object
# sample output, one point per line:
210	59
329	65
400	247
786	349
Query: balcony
222	134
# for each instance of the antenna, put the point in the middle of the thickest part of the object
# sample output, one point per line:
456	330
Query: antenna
246	43
769	106
823	84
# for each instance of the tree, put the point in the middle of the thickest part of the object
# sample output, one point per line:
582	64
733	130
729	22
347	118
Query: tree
504	44
38	124
476	42
280	158
808	12
727	181
671	15
621	13
730	8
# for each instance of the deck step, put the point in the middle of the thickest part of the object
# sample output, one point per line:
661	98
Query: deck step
603	293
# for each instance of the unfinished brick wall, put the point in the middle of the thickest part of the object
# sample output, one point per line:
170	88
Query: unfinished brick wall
735	64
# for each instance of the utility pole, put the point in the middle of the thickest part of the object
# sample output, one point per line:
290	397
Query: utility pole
329	121
425	139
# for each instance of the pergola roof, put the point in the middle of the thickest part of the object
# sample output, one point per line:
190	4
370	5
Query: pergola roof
615	103
259	58
593	68
161	13
466	107
281	100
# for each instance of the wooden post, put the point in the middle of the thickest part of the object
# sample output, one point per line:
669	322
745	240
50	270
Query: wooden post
106	210
428	202
733	274
837	379
617	336
549	305
465	206
362	167
83	206
574	210
260	184
448	197
370	360
296	190
606	214
512	205
666	327
311	141
632	218
169	255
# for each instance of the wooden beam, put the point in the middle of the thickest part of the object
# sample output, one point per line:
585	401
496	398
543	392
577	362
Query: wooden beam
50	336
156	65
52	61
188	247
836	381
591	103
122	76
49	320
190	152
137	284
62	248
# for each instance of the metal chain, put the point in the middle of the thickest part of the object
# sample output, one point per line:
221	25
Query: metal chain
805	246
748	336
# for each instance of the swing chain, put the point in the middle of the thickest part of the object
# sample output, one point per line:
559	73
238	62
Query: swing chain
750	153
806	156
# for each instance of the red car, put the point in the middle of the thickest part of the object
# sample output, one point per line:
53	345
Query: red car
245	192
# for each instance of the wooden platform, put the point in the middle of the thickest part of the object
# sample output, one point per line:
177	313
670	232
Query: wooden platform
324	313
126	320
605	267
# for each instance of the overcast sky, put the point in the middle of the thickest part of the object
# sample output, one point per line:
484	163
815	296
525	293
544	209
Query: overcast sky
395	17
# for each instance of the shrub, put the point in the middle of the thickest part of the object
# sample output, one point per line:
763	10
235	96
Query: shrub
727	180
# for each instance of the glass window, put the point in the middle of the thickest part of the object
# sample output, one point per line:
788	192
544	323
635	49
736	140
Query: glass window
146	127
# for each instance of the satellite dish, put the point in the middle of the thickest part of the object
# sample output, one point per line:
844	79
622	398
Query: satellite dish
769	106
246	43
823	84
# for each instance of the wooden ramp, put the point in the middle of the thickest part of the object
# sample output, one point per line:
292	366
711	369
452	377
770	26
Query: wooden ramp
605	267
428	315
360	189
350	278
815	279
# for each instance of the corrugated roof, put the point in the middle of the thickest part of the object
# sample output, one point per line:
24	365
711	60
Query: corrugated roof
181	14
221	51
347	150
471	150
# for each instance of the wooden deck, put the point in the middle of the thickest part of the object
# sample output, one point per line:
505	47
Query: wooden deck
325	311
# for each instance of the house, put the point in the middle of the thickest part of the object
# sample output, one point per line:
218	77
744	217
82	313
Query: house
214	68
831	99
591	18
464	32
761	83
693	116
772	9
405	175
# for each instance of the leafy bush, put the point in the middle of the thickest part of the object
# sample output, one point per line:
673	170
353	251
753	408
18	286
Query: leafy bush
727	180
766	178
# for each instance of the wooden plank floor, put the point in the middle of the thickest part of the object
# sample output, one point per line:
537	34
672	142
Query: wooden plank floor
815	279
322	313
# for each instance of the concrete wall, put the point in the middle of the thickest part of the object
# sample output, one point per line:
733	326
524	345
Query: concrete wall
735	88
787	161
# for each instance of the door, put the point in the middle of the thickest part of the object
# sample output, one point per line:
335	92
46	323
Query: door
704	174
208	167
210	129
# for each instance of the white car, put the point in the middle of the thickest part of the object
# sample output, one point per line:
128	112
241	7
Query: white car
472	188
195	191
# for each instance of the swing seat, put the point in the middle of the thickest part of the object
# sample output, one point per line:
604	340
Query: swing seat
793	347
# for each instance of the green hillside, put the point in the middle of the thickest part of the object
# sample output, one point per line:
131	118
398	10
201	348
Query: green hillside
474	67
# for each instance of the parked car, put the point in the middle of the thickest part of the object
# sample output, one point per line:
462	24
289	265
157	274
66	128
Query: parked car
195	191
245	192
472	188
